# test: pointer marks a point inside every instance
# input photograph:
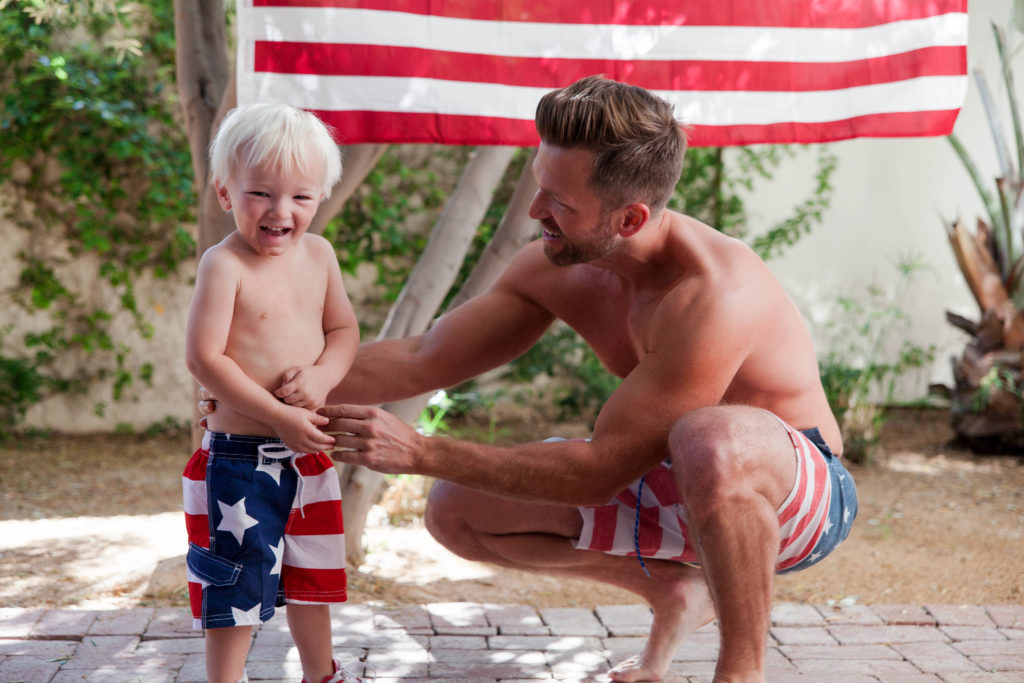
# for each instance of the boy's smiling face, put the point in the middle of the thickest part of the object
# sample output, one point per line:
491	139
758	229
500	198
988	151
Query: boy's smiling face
272	207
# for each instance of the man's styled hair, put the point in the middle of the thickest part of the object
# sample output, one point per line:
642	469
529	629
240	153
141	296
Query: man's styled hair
638	142
278	136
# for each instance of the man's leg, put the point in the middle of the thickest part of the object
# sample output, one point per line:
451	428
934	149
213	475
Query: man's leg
537	537
734	467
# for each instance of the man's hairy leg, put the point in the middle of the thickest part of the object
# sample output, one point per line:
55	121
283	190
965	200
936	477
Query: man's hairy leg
538	537
734	467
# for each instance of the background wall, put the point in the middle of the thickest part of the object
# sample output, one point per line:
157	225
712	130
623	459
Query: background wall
892	199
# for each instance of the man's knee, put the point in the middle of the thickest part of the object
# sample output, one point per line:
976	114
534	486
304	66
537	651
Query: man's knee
701	444
443	516
717	456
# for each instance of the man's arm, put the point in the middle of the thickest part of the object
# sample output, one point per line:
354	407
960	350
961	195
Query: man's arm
481	334
681	372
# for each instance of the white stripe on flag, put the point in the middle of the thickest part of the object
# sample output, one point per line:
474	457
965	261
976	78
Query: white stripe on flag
355	93
598	41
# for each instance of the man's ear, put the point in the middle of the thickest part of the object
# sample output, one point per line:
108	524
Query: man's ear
634	217
222	195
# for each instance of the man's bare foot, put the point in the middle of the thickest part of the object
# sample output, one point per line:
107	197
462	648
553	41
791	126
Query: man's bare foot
679	612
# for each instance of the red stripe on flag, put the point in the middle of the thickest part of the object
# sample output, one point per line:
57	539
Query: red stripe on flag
892	125
793	13
449	129
452	129
321	519
330	59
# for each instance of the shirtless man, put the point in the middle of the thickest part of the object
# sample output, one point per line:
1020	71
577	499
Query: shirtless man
716	364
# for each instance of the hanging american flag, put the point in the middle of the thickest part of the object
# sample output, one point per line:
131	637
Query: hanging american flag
737	71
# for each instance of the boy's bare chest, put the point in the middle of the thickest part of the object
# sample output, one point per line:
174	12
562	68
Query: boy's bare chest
278	318
270	303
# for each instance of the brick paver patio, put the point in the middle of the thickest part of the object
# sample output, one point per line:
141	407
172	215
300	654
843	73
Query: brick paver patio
476	643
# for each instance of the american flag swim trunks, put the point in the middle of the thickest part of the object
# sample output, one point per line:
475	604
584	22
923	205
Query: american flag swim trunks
814	519
264	529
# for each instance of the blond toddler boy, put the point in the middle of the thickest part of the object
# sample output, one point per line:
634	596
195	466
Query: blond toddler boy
270	332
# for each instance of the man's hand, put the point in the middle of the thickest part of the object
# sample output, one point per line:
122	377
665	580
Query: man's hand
373	438
207	403
305	386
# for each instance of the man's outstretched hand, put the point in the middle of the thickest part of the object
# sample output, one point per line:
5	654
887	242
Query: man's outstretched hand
373	438
207	403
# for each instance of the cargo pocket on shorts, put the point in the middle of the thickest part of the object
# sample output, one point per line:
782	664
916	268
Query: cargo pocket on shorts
214	570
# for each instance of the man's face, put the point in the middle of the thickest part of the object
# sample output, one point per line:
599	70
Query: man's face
576	227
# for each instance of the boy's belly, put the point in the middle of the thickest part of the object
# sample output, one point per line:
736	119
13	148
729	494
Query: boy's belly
228	421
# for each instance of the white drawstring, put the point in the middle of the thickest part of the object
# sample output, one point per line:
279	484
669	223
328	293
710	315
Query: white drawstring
278	452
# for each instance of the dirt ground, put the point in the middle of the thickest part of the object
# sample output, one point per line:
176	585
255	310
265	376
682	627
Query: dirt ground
96	521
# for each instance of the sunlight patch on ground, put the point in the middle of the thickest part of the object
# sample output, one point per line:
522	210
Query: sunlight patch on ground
409	554
86	554
163	529
917	463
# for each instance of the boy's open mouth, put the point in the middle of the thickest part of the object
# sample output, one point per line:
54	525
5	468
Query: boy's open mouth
275	232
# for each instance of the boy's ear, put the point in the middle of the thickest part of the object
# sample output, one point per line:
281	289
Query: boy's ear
634	217
222	195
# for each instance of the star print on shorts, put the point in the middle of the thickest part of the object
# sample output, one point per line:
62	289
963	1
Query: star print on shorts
265	529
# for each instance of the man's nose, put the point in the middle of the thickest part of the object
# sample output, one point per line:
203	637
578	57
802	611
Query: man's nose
537	208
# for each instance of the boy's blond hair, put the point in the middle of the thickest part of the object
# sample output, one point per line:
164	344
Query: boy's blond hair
279	136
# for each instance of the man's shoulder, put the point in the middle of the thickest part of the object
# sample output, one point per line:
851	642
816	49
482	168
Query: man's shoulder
531	273
528	264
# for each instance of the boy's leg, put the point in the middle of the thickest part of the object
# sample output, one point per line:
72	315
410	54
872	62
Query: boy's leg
226	649
310	626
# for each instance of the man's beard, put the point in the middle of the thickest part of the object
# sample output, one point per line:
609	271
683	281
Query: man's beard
600	244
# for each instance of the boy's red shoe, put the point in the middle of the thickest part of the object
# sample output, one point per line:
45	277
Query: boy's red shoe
341	675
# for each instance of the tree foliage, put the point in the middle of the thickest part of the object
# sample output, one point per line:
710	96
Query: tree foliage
95	164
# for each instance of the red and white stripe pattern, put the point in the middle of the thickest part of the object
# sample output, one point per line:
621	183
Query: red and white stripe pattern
662	531
311	555
737	71
804	514
314	547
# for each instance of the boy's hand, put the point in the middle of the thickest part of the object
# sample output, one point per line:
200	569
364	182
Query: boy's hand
305	386
299	429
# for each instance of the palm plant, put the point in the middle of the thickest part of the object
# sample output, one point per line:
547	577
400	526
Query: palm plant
987	401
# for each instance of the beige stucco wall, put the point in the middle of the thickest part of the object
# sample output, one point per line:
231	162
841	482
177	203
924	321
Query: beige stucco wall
892	198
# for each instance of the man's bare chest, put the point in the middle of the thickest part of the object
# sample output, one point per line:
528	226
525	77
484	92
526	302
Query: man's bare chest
617	330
